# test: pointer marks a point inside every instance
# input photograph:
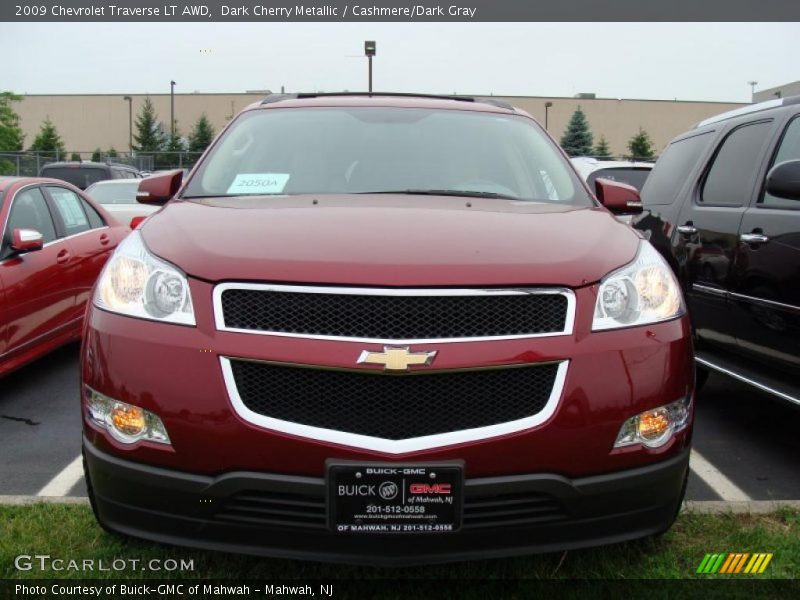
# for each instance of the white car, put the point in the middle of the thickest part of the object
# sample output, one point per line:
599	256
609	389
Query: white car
624	171
631	172
118	196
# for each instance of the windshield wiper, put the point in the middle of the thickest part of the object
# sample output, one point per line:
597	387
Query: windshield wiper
464	193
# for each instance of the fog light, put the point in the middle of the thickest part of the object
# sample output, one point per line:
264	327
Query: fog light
127	419
125	422
654	428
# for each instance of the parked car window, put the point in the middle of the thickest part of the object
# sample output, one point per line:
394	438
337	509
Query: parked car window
95	220
71	210
788	150
29	211
79	176
374	150
673	169
628	175
730	180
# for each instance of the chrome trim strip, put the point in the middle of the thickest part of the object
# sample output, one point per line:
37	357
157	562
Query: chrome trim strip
709	290
736	296
742	378
394	446
764	301
219	318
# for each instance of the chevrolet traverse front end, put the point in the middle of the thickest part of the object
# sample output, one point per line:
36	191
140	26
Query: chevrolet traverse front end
385	329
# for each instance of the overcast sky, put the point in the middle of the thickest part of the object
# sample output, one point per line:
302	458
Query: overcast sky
697	61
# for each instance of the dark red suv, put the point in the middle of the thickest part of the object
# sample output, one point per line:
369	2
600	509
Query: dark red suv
386	329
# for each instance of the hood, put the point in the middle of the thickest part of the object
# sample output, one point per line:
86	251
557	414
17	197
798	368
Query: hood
390	240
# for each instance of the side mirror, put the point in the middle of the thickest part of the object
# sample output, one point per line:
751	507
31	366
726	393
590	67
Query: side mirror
158	189
619	198
783	180
26	240
136	221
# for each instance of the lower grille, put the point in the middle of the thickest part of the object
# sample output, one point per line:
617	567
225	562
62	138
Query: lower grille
274	509
308	511
393	407
519	508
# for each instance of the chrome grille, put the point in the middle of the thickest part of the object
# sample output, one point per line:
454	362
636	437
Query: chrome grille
387	315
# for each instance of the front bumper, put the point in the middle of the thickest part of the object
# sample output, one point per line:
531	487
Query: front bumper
285	516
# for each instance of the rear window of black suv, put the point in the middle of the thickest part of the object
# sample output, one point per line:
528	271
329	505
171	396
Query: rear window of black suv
673	168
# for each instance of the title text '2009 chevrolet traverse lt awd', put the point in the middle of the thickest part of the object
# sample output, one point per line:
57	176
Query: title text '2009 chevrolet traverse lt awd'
386	329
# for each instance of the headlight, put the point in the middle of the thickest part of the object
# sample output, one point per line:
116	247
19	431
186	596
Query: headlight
137	284
655	427
645	291
125	422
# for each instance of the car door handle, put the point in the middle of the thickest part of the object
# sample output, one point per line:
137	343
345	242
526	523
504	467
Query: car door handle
687	229
62	257
754	238
104	239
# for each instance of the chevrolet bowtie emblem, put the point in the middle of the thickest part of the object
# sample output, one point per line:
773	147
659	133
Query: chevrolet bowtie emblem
396	359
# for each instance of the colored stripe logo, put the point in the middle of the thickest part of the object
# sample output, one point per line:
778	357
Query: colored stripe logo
734	563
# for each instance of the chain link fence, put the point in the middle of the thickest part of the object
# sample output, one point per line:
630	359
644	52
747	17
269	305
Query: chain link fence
29	164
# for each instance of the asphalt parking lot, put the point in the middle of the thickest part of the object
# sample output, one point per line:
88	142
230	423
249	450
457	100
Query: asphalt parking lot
746	445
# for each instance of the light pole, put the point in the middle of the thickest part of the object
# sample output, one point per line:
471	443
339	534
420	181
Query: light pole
130	123
172	108
547	106
369	52
752	85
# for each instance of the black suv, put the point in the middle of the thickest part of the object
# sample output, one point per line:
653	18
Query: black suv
723	206
84	174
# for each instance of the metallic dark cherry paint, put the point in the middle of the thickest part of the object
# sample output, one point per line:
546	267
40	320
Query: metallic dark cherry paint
385	241
56	291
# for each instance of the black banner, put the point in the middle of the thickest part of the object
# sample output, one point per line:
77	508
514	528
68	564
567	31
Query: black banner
375	586
399	10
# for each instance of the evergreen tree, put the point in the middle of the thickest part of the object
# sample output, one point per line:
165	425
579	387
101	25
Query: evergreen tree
75	157
171	158
112	153
602	150
97	155
202	134
641	147
11	136
149	135
49	141
577	138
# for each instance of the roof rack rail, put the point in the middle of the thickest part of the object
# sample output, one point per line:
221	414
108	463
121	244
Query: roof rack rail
278	98
304	95
750	109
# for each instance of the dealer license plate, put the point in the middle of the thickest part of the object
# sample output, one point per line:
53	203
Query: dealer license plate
383	498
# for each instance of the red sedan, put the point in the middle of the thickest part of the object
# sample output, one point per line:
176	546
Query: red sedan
55	242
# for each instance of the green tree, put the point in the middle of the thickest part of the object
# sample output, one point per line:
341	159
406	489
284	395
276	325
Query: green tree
202	134
112	152
171	156
48	141
149	135
641	147
97	155
11	136
75	156
602	149
577	138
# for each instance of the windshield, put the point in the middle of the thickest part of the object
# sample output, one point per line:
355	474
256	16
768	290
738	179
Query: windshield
386	150
114	193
